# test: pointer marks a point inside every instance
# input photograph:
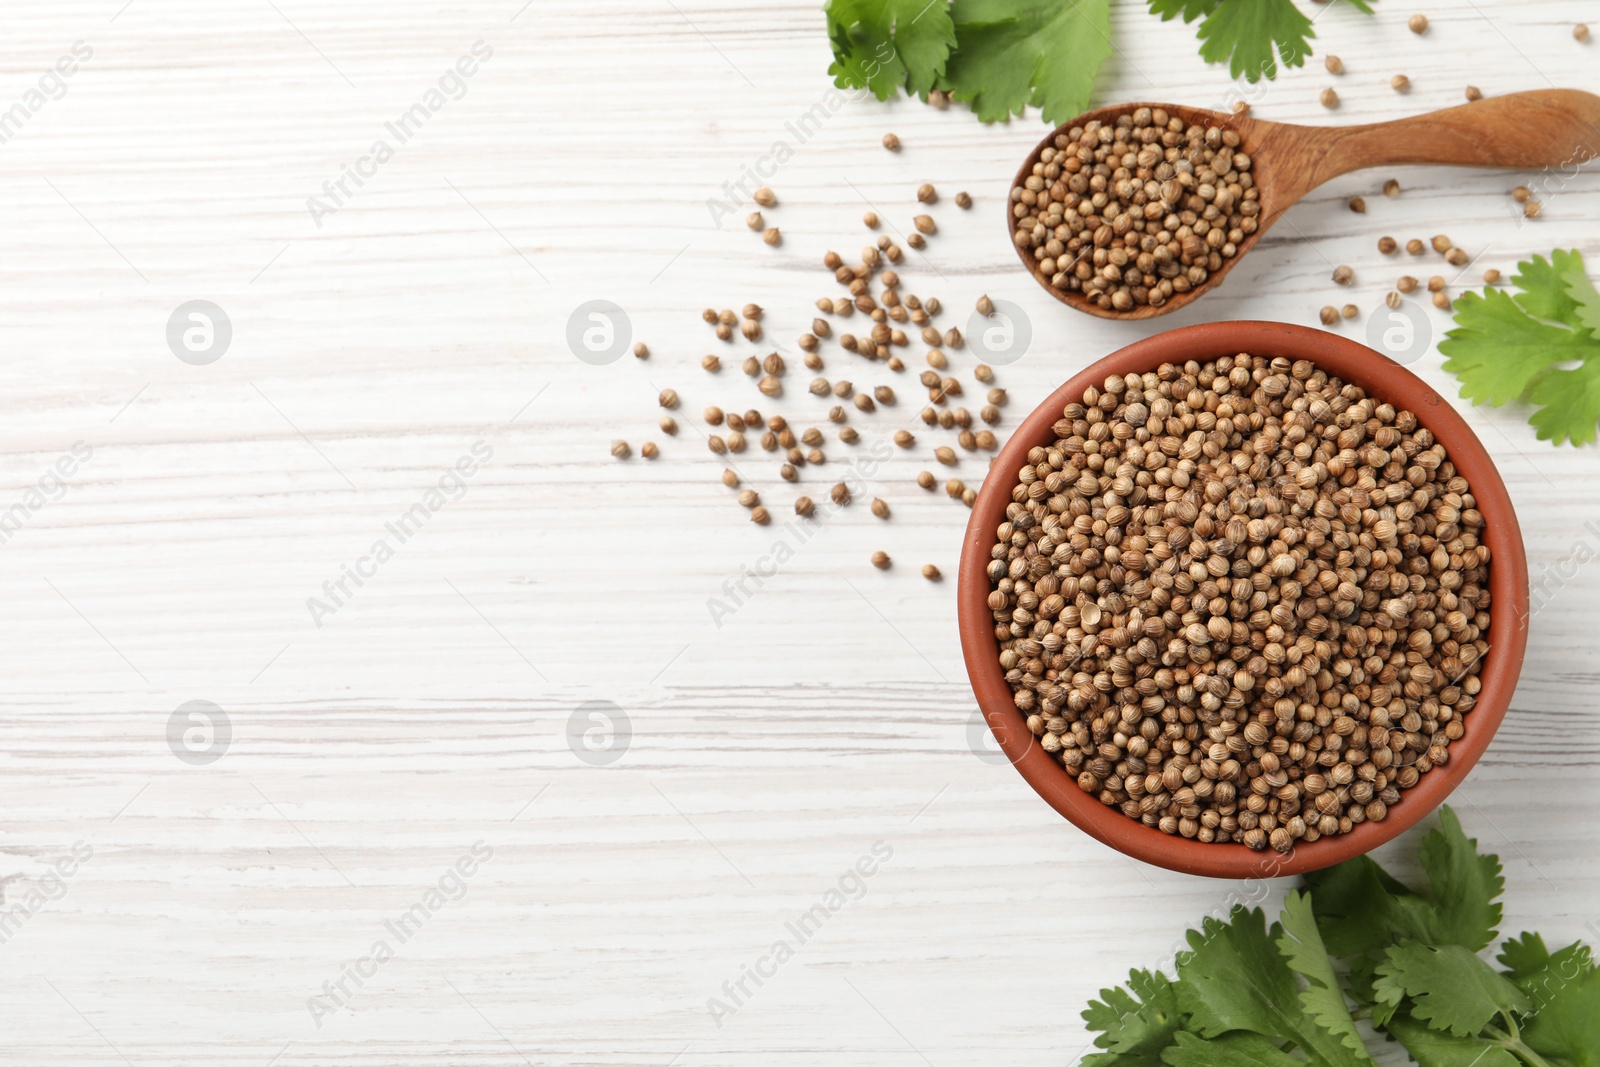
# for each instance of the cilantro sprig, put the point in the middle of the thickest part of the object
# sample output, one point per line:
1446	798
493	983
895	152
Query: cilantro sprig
1003	56
1357	943
1539	343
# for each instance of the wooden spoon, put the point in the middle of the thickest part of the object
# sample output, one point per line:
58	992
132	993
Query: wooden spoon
1552	128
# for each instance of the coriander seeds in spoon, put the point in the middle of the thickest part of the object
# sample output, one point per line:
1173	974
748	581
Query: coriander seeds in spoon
1133	211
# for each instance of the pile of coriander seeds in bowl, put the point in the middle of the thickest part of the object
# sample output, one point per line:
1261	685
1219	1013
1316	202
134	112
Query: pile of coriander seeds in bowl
1241	600
1128	214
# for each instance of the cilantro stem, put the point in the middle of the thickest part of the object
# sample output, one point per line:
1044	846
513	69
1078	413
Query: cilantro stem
1512	1043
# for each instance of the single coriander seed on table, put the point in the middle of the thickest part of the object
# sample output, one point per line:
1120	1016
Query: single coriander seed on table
926	480
754	220
1349	311
772	236
1334	64
1358	205
1388	245
730	479
648	450
1400	83
927	194
1391	188
870	220
891	142
880	560
668	398
1415	247
930	572
1329	98
803	506
1343	275
765	197
880	508
1491	277
1406	284
963	200
620	449
759	516
641	351
669	425
1474	93
1418	24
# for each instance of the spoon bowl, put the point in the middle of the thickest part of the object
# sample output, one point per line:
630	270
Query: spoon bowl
1550	128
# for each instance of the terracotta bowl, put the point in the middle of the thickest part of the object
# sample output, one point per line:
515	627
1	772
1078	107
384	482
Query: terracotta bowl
1508	586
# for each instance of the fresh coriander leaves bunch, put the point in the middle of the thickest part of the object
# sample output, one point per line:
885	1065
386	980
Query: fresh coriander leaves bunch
1357	943
1000	56
1539	343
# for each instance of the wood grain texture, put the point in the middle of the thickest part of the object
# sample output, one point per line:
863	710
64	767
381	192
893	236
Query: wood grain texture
431	711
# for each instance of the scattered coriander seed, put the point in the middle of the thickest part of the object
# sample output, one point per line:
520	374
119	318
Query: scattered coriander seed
843	388
1474	93
807	341
777	422
669	425
1491	277
1388	246
1329	315
752	311
883	394
1436	283
804	507
950	386
985	306
925	224
769	441
668	398
938	99
1580	33
773	364
969	497
1329	98
930	336
895	363
1241	107
963	200
1441	301
870	220
983	373
952	338
709	315
1441	244
967	440
837	413
749	498
730	479
1406	284
820	387
735	442
1531	209
954	488
880	560
926	193
1358	205
620	449
812	437
832	260
916	240
864	402
754	220
1400	83
812	361
1418	23
989	414
1415	246
1343	275
759	516
753	420
1457	257
891	142
724	332
933	305
1349	311
1393	299
713	415
930	572
926	479
772	235
880	508
770	385
1334	64
937	359
1391	188
848	435
765	197
840	494
946	455
751	366
1522	194
727	317
986	440
710	364
904	438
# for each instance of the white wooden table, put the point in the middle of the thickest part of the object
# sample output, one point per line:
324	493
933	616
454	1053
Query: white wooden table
373	345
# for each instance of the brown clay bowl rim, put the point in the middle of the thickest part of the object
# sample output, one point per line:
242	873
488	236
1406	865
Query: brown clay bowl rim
1508	610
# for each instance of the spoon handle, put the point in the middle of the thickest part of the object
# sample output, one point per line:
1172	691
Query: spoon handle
1556	128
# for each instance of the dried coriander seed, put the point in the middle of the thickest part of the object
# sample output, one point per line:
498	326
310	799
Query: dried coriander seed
1418	24
1358	205
1349	311
870	220
712	415
770	385
1415	247
730	479
840	494
1333	64
880	508
1580	33
985	306
1406	284
1329	315
1531	209
880	560
926	479
848	435
669	425
754	220
983	373
1441	300
1388	245
891	142
1400	83
620	449
1391	188
1474	93
765	197
946	455
883	394
1343	275
904	438
772	236
927	194
668	398
641	350
751	366
930	572
925	224
751	329
1436	283
864	402
955	488
1329	98
963	201
804	507
917	241
759	516
1491	277
1457	257
710	364
749	498
1393	300
735	442
1441	244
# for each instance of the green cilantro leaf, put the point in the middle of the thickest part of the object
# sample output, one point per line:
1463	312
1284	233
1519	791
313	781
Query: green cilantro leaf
1568	1026
1013	53
885	44
1541	343
1360	908
1233	978
1322	998
1541	973
1188	10
1432	1048
1251	35
1450	987
1361	5
1234	1050
1462	885
1135	1023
